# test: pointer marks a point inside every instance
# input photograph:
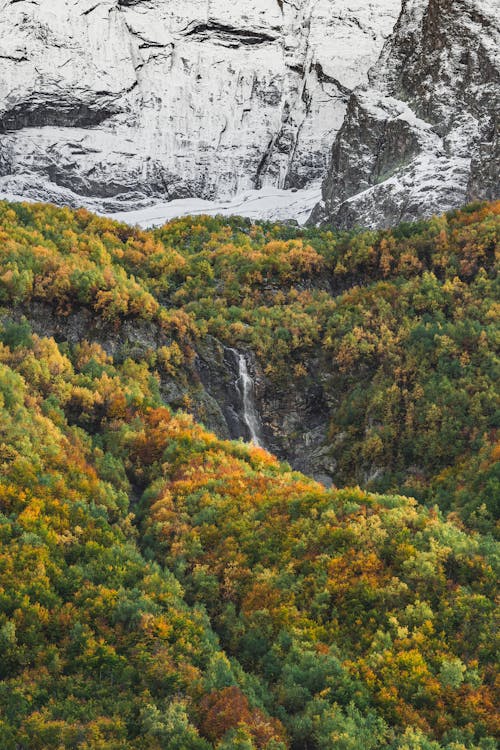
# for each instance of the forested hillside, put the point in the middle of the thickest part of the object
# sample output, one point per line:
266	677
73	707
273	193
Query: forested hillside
162	587
374	353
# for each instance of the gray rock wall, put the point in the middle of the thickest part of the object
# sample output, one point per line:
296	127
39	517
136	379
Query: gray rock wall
113	104
422	136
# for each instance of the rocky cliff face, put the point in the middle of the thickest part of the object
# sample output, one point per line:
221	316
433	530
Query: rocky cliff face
293	422
116	103
120	104
422	135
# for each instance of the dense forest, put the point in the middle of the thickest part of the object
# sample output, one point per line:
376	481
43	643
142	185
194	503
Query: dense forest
164	588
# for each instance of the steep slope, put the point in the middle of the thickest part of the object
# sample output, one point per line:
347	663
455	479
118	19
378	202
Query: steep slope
107	103
422	136
373	355
162	589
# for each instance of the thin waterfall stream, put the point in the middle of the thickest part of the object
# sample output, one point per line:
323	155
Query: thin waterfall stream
245	386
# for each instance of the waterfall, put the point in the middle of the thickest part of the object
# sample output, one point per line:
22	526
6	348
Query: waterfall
245	387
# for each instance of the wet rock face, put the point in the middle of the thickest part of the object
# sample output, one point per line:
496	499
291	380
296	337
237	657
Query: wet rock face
293	418
220	407
422	136
296	419
110	103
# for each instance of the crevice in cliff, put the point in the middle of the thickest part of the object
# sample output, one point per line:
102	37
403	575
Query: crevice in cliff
55	114
264	163
145	43
90	10
325	78
305	97
13	58
228	36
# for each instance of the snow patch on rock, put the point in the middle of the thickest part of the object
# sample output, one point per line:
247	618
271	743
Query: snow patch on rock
266	204
422	136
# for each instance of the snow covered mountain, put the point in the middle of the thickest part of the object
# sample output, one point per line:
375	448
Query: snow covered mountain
423	135
114	104
126	105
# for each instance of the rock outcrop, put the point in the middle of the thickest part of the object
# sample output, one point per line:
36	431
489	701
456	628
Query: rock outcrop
422	136
118	105
293	420
114	104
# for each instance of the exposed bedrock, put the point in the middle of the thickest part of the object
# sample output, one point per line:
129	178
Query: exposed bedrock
117	103
422	136
291	422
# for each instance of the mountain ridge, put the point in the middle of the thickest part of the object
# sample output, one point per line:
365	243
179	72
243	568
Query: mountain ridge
422	136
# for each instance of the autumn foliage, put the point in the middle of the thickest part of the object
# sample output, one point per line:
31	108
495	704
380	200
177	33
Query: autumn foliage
163	588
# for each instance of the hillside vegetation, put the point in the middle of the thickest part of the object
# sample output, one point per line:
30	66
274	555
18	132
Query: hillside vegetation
163	588
399	328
